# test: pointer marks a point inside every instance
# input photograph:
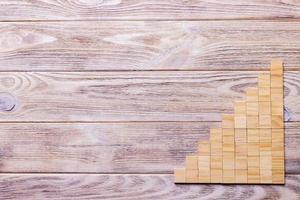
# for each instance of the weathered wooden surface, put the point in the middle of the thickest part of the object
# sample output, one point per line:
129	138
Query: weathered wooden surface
150	45
134	187
144	10
130	96
112	147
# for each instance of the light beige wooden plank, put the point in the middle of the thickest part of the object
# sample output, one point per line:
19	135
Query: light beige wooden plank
179	175
150	45
148	10
111	147
129	96
135	186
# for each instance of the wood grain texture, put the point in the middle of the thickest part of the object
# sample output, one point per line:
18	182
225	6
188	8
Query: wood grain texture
148	45
145	10
111	147
134	187
130	96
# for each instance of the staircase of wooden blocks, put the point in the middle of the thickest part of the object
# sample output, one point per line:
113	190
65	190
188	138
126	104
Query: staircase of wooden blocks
249	146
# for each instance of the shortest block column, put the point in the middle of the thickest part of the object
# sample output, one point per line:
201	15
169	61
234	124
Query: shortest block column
204	162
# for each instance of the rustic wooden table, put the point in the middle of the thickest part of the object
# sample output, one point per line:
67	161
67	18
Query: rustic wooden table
102	99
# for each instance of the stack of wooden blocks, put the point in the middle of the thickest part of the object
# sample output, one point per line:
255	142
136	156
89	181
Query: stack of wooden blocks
249	147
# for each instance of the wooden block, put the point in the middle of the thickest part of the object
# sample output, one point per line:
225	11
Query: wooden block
252	121
228	135
240	135
216	135
265	162
265	135
252	94
204	169
240	107
241	176
276	81
253	149
265	149
228	147
264	108
216	166
278	149
191	162
276	67
228	175
265	121
277	121
278	136
179	175
240	121
253	169
265	176
204	148
277	108
241	149
278	170
216	148
191	176
228	121
241	162
264	80
253	135
264	94
252	108
277	94
228	161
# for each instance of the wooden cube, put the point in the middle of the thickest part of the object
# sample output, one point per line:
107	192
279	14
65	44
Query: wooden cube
252	108
277	108
278	136
265	121
253	149
228	135
216	148
241	176
278	149
228	147
191	162
241	149
278	170
252	94
228	161
252	121
240	135
253	175
277	94
216	175
228	121
253	135
216	135
203	162
265	176
276	81
277	121
240	121
265	162
204	169
264	94
265	149
264	108
228	175
179	175
204	148
192	176
276	67
265	135
241	162
264	80
240	107
216	166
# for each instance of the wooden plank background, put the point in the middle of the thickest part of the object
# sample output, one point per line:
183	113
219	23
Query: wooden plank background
102	99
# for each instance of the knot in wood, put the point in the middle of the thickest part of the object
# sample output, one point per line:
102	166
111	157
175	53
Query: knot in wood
7	102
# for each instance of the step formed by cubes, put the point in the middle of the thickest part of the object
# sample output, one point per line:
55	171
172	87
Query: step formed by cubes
249	146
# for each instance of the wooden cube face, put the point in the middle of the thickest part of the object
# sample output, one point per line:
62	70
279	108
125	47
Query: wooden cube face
252	108
241	149
253	175
278	149
228	176
252	121
216	166
241	176
179	175
277	81
240	135
216	175
228	121
277	121
277	108
265	135
228	135
265	149
204	148
252	94
264	80
277	94
240	107
278	136
216	148
253	162
241	162
240	121
191	162
253	149
276	67
216	135
264	94
265	176
203	162
228	161
264	108
278	170
192	176
265	121
253	135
